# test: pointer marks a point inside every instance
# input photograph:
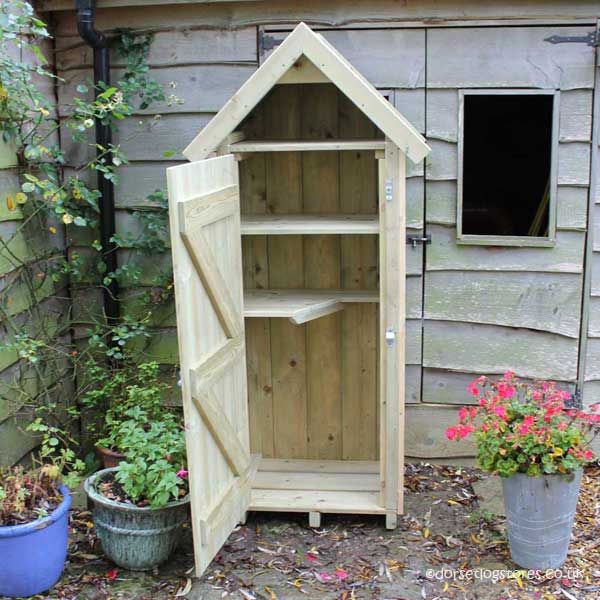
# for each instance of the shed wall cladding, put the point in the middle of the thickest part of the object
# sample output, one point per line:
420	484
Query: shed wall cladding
27	246
470	309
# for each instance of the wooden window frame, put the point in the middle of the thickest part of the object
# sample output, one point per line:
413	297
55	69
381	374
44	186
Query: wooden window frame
509	240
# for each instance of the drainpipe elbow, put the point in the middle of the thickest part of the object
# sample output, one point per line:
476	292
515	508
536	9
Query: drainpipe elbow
85	24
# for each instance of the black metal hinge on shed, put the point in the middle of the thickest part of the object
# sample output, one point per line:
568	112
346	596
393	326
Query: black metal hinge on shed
413	240
591	39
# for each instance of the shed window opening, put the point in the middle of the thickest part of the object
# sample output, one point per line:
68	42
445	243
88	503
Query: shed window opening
507	146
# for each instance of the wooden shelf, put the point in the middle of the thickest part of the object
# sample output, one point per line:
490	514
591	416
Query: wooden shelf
300	306
309	224
332	486
304	146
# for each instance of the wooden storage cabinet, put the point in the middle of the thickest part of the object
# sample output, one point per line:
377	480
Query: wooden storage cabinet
288	250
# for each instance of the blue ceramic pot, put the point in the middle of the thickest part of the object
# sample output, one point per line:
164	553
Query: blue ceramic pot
32	555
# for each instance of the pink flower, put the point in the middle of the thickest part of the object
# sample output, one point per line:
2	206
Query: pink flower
485	427
506	391
182	473
463	413
500	410
323	577
525	426
311	556
111	574
509	374
483	402
464	430
473	389
340	574
588	455
594	407
451	433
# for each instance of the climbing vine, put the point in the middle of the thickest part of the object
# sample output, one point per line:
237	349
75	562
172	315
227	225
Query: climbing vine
50	344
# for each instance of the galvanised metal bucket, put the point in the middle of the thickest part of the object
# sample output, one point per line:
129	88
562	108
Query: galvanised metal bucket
539	517
132	537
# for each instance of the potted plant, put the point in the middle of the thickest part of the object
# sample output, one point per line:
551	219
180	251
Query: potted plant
34	514
530	435
115	397
141	506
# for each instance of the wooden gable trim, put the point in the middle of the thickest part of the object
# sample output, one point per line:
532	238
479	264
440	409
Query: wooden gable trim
304	42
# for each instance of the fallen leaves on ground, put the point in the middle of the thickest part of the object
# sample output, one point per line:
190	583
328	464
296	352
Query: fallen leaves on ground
354	557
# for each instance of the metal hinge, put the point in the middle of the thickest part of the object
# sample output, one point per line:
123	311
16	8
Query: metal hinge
413	240
267	42
591	39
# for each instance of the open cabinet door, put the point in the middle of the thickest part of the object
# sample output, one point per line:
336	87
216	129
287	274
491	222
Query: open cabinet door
206	246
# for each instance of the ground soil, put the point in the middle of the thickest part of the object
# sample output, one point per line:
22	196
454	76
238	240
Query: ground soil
277	556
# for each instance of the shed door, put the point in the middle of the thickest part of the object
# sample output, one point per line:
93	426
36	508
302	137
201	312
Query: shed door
205	234
489	309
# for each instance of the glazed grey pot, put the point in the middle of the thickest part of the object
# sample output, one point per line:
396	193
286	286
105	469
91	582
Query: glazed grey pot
132	537
539	517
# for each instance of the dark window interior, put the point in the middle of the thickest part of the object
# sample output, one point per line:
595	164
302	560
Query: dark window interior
507	146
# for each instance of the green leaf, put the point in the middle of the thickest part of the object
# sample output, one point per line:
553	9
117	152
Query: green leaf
82	88
168	153
28	187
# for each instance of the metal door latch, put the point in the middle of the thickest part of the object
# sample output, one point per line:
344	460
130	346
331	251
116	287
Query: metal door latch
413	240
390	337
389	190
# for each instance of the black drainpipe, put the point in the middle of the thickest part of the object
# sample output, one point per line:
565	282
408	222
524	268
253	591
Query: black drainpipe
100	44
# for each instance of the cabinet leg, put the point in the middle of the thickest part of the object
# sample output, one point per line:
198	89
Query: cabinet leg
391	520
314	519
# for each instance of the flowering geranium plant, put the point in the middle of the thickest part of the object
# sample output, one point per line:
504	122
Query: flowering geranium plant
523	427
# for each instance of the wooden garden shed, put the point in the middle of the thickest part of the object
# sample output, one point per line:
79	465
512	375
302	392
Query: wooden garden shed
220	323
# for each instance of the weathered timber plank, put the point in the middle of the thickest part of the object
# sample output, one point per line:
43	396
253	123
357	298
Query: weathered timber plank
24	243
591	393
595	273
494	349
9	186
443	254
198	88
372	54
336	13
143	138
508	58
424	433
574	164
594	318
543	301
411	103
571	205
442	162
592	363
135	182
170	48
450	387
442	115
575	116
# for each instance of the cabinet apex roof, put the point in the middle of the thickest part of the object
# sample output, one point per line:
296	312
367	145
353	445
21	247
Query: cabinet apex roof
307	56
